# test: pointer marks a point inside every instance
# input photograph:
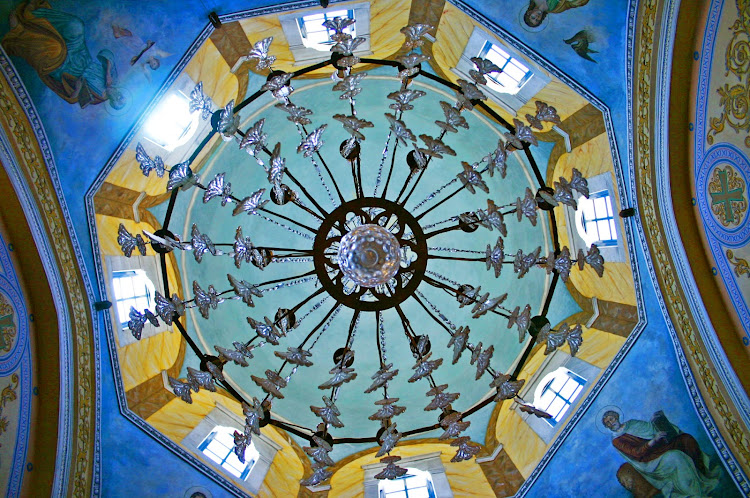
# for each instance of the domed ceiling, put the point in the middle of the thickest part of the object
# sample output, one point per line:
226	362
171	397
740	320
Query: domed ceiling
279	216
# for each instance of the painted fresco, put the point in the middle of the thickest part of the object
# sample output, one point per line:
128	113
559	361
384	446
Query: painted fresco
722	146
15	375
641	434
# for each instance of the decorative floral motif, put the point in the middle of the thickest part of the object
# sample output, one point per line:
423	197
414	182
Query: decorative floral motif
7	325
726	190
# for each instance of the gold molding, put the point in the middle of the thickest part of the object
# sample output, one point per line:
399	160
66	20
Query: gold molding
644	97
29	156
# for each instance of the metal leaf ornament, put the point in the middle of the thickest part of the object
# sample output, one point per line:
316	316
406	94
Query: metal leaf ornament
521	320
218	187
243	248
483	67
414	34
271	383
424	367
276	170
297	115
329	413
493	218
352	124
215	371
471	179
319	475
524	262
403	99
593	258
483	360
435	147
201	244
279	86
579	183
136	323
167	309
341	375
313	142
388	440
254	140
458	341
564	193
244	349
241	442
245	291
231	355
260	54
470	91
547	113
253	415
496	160
381	378
348	46
128	242
388	409
251	204
181	389
199	379
532	410
350	86
399	129
495	256
524	133
338	25
206	299
506	388
147	164
467	449
229	122
486	304
527	207
391	470
440	399
181	176
453	426
267	330
575	339
562	263
199	102
295	356
411	64
319	451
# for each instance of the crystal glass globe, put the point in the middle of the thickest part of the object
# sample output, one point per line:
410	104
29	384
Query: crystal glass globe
369	255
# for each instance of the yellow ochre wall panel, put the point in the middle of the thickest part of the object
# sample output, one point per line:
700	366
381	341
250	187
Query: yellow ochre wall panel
454	32
177	419
466	478
524	447
591	159
146	358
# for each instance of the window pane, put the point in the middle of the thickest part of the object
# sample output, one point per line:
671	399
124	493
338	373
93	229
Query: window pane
419	493
556	406
416	481
126	288
397	494
603	227
612	229
609	206
389	486
568	389
547	398
558	382
213	456
514	72
561	413
600	206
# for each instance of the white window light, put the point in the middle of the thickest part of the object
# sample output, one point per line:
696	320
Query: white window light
133	282
520	79
414	484
595	220
309	41
171	124
557	386
219	447
556	393
315	35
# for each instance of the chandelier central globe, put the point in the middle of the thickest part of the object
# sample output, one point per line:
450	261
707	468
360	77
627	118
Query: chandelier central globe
369	255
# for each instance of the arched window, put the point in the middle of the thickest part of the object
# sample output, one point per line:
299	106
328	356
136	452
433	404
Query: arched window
132	288
595	220
513	73
414	484
318	37
556	392
219	447
172	124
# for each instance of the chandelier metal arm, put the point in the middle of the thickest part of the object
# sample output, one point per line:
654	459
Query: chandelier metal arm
460	258
290	220
456	293
286	279
393	162
412	337
323	321
440	202
307	194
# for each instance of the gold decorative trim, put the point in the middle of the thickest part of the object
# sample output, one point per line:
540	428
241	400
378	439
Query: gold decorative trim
24	145
677	305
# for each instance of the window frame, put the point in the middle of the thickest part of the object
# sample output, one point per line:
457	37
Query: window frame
212	437
151	266
510	102
551	363
429	462
303	54
404	479
222	416
613	253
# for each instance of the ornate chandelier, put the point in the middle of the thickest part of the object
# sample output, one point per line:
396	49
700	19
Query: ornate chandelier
369	253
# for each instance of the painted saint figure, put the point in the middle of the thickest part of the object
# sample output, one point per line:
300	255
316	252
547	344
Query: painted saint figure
538	9
54	44
669	460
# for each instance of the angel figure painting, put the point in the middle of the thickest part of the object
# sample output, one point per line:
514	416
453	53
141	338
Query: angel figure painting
660	458
53	43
